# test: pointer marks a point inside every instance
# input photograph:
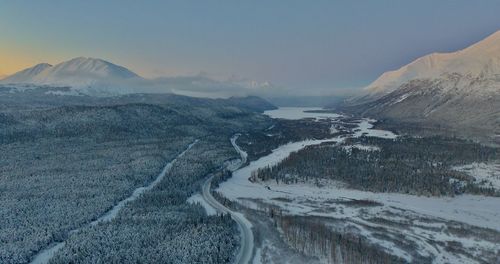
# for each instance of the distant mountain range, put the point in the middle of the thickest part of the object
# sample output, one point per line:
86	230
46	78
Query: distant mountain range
458	90
92	76
97	77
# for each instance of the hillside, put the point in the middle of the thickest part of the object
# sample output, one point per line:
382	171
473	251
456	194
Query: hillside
76	157
26	75
457	92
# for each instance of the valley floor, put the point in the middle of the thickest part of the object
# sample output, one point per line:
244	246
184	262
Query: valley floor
110	201
460	229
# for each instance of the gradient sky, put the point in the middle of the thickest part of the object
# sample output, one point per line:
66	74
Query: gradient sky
321	46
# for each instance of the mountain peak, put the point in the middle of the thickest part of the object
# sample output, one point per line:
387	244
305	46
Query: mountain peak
88	60
27	75
90	67
81	73
458	90
38	68
490	44
479	59
495	35
42	65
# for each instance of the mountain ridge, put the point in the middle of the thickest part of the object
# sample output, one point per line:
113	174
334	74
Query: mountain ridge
481	59
44	73
457	91
97	77
27	74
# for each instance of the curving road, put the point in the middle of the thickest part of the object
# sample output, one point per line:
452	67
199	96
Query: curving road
246	250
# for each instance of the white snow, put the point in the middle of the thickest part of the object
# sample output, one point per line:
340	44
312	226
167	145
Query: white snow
486	173
258	256
365	127
479	60
63	93
111	214
309	199
296	113
471	209
361	147
401	98
27	75
198	199
75	72
333	129
45	255
87	75
260	253
238	186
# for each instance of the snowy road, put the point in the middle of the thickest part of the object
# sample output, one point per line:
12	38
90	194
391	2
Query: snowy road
246	249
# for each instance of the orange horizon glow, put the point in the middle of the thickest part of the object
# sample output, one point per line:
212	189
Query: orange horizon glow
10	66
14	59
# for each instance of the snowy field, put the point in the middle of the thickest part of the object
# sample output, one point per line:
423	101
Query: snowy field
432	226
365	127
488	175
361	147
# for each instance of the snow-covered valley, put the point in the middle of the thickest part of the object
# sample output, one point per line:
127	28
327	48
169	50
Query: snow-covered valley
250	132
414	228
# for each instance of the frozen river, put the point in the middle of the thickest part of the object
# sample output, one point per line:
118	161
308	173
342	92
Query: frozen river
296	113
310	200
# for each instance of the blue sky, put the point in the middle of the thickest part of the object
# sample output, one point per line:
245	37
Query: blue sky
321	46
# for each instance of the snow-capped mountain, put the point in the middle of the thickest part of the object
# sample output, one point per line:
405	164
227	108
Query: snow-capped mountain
87	75
458	91
27	75
481	60
82	71
97	77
